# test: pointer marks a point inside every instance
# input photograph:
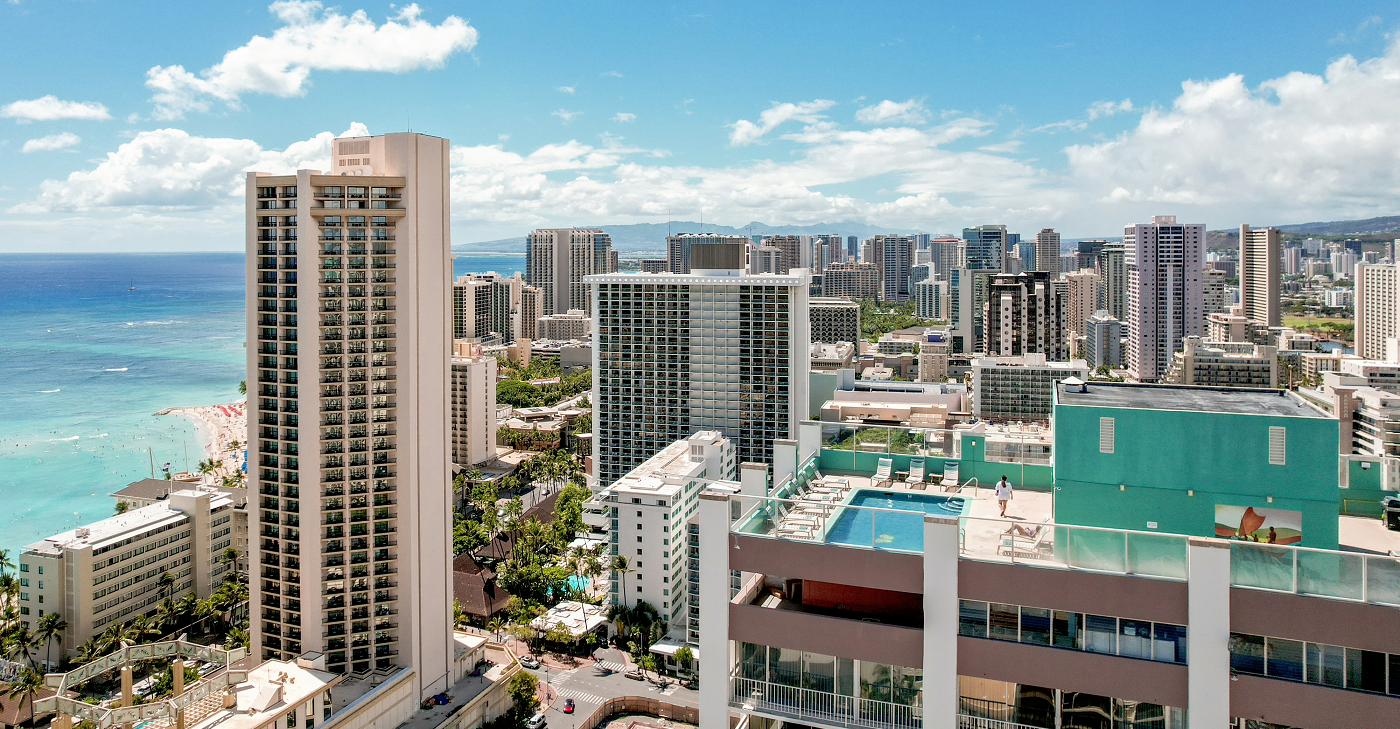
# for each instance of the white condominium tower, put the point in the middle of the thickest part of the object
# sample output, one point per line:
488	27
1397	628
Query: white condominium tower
1047	252
715	349
1163	293
1377	310
1259	274
358	567
557	259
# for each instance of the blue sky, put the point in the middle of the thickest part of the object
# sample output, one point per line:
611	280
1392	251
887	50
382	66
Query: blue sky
911	115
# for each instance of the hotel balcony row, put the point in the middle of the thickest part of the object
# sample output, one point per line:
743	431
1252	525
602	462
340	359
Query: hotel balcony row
903	608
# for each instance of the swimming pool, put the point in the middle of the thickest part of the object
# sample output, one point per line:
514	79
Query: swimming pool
902	529
578	582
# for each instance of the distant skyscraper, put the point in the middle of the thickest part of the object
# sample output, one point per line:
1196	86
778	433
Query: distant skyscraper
945	256
986	248
1292	261
1103	341
967	295
1082	300
1024	314
852	246
851	281
791	246
473	414
353	549
892	258
1259	274
1163	260
531	309
1112	276
678	248
1213	300
930	299
715	349
1026	252
1047	252
1377	310
557	259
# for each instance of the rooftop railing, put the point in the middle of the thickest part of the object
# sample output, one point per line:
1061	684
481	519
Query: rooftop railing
1350	576
1004	447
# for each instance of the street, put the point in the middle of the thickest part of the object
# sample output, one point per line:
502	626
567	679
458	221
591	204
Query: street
589	687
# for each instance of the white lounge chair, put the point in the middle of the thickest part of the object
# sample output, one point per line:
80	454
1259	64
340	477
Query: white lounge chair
950	476
882	472
1033	545
916	473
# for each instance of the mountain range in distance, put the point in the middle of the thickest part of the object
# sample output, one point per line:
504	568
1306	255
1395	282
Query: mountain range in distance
651	237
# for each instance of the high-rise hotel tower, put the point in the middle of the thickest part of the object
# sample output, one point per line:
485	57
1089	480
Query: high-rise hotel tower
713	349
349	302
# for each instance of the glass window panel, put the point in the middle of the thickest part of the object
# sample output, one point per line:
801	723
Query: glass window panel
1068	630
1395	674
1003	621
1135	638
1285	659
1101	634
1247	653
1365	670
972	618
1035	626
908	685
753	661
818	672
1085	711
846	676
874	681
1326	665
1168	643
1139	715
785	666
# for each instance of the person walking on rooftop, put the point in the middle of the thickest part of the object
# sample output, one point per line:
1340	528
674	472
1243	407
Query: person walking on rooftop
1003	494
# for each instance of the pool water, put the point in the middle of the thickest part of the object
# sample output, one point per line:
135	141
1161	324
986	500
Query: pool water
890	530
578	582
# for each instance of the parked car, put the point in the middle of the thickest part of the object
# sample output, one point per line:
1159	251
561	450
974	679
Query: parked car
635	674
568	706
535	722
529	662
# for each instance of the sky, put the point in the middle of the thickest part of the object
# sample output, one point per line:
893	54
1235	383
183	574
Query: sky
128	126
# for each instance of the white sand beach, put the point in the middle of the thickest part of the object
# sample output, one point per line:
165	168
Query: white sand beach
219	426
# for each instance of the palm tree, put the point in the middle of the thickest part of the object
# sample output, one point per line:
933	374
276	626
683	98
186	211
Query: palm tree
5	562
230	558
622	565
166	582
49	629
496	626
89	651
21	643
459	614
25	686
110	639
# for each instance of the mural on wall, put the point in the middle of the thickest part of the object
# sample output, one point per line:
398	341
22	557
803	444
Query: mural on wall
1251	524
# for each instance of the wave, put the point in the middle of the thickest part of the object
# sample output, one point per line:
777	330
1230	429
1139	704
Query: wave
62	440
115	369
46	392
103	435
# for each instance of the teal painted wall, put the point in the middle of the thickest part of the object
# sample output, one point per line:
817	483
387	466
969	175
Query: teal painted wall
1363	497
1160	455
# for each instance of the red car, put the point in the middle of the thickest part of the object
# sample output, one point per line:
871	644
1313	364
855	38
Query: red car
568	706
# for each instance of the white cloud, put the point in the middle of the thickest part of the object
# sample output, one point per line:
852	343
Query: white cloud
1007	146
566	89
1100	109
311	39
169	169
1300	146
612	74
744	132
623	116
566	115
910	112
51	143
51	108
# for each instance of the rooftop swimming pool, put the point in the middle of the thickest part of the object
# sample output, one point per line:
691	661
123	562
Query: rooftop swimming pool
901	529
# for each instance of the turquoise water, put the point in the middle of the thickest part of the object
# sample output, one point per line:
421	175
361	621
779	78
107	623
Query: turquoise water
902	530
87	363
577	582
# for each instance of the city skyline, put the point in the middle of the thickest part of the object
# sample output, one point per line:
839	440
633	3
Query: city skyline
145	154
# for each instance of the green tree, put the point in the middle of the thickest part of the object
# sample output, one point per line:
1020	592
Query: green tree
25	687
50	630
243	387
622	566
121	508
684	657
524	693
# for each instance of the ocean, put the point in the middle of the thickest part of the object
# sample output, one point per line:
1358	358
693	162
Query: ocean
88	362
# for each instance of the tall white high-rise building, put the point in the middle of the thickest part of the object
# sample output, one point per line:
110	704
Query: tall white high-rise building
1047	252
557	259
1163	296
358	566
1259	274
1377	304
473	406
892	256
1293	260
1082	300
715	349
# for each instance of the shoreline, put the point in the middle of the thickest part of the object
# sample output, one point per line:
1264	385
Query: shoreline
217	426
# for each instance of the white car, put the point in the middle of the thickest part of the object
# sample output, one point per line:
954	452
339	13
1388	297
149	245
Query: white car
529	662
535	722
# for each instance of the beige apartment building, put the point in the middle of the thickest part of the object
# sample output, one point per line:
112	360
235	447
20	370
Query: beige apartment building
557	259
1081	301
1224	364
572	324
851	281
109	571
486	304
473	406
1260	274
352	551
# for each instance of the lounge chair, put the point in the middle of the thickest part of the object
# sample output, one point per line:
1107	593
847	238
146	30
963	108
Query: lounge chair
916	473
1014	543
950	476
882	472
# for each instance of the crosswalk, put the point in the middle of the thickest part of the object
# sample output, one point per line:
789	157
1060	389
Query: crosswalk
610	666
580	696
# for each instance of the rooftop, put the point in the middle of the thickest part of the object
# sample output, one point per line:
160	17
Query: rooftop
673	460
155	489
576	617
1235	400
272	689
122	526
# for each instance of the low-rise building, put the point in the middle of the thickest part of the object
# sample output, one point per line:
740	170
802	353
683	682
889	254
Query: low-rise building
834	320
573	324
109	571
1019	388
1223	364
833	356
1103	341
1230	326
653	265
1316	363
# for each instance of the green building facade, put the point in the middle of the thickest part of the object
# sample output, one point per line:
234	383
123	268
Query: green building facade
1255	464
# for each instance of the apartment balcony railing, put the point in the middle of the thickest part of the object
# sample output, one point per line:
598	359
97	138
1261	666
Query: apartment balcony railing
803	705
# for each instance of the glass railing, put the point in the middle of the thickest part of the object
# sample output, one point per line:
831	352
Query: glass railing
1003	447
1092	549
1319	572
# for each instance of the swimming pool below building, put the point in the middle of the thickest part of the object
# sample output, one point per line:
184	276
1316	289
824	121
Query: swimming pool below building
902	528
